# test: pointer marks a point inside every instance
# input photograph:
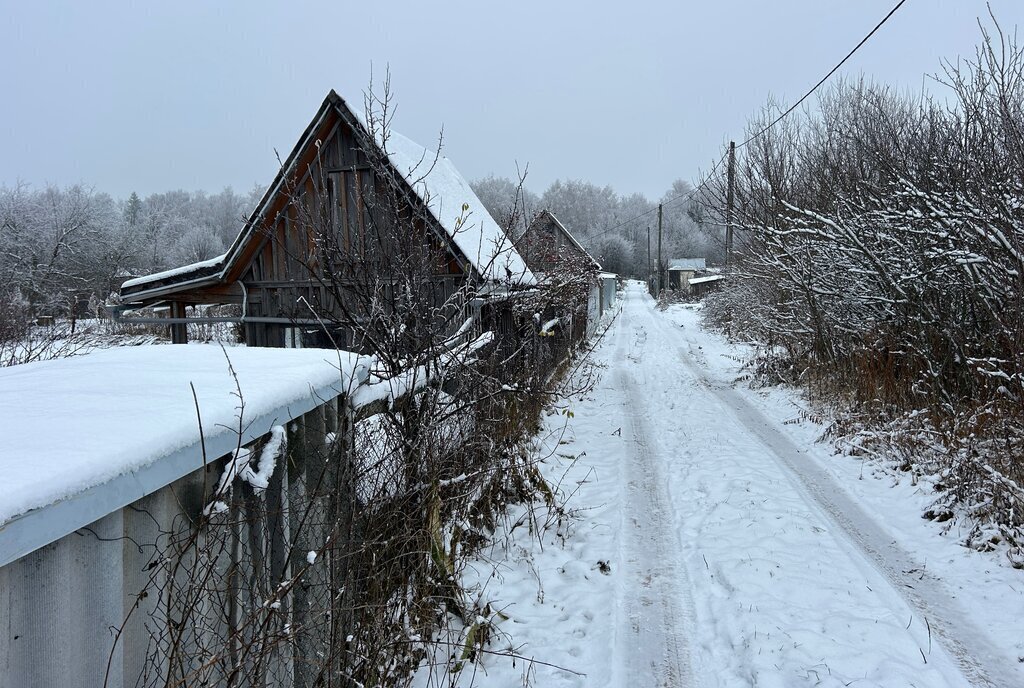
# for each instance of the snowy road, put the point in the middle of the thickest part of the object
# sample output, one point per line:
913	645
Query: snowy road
924	592
842	541
735	558
656	609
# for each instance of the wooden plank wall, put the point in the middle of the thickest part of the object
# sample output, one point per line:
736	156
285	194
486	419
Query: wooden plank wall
288	269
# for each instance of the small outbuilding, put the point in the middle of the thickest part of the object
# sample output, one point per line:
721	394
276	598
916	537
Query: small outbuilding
682	270
702	285
609	289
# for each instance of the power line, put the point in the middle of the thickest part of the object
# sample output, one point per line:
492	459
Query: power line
825	78
764	130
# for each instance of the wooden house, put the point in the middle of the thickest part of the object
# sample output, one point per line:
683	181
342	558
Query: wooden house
554	255
353	205
547	245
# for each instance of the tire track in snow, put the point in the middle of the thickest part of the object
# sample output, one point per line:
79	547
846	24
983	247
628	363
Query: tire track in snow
657	611
866	540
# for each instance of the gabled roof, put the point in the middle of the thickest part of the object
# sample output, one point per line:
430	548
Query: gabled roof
438	186
446	192
692	264
547	217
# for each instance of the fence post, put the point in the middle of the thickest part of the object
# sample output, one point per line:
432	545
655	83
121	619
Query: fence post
307	521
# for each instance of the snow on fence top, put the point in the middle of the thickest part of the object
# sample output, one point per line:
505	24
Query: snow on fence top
84	436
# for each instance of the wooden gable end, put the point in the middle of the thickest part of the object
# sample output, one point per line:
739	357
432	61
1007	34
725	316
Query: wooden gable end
281	246
546	245
338	220
319	229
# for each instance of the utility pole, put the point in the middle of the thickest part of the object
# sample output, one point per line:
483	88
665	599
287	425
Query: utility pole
661	281
730	199
649	272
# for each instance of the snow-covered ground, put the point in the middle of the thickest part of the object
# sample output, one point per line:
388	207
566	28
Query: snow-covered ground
715	544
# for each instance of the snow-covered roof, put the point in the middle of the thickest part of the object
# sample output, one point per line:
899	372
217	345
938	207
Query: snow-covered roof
87	435
686	264
176	272
442	189
709	278
459	211
607	275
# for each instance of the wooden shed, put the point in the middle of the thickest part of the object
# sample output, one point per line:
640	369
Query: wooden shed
682	270
699	286
547	244
353	204
553	254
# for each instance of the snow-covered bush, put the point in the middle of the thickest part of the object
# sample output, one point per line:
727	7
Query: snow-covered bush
881	252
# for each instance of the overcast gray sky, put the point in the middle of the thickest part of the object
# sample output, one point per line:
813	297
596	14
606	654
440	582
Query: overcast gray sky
154	96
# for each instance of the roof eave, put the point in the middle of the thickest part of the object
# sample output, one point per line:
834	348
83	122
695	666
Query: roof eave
165	290
258	215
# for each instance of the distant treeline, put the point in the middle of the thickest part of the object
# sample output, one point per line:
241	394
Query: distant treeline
611	227
62	246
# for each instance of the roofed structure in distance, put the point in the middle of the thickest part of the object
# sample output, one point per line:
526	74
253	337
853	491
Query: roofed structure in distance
687	264
547	244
